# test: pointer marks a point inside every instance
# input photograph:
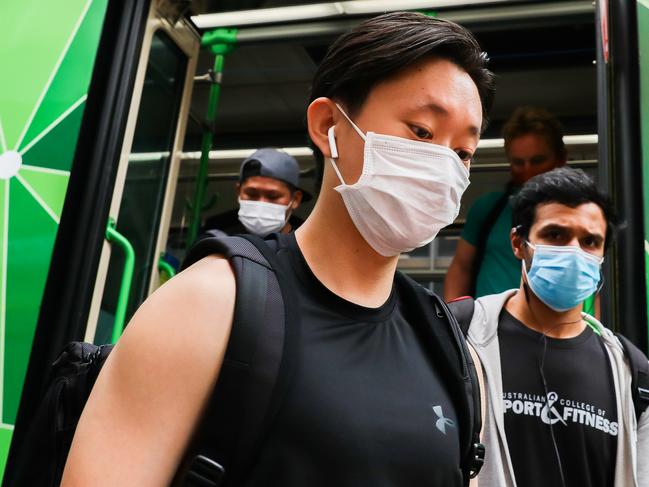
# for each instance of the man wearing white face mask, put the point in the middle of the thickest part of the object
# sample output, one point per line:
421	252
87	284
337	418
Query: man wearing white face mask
562	406
268	192
407	192
378	387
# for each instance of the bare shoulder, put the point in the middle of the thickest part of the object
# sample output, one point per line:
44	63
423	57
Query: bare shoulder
194	310
178	336
150	393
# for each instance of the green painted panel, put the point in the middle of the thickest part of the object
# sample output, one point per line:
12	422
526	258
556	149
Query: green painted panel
643	47
5	440
31	233
71	80
48	51
50	187
4	242
34	35
56	149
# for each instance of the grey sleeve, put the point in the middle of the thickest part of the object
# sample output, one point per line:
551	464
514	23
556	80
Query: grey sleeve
643	449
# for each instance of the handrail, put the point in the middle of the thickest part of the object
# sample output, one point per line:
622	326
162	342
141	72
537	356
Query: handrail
220	43
165	266
113	236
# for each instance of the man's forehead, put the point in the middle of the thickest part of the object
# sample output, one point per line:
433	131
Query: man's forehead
588	216
528	142
265	182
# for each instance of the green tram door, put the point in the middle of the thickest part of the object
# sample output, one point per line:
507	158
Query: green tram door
90	206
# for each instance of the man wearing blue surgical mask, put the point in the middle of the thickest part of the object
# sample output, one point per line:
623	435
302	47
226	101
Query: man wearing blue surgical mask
559	409
268	192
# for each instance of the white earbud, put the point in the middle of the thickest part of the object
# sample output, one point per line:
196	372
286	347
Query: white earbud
332	142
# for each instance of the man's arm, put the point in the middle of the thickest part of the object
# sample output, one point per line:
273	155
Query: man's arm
154	385
460	273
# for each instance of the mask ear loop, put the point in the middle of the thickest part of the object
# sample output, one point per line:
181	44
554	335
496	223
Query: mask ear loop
601	282
358	131
289	210
331	134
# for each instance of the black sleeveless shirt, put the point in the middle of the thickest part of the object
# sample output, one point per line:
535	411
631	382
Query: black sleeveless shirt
366	406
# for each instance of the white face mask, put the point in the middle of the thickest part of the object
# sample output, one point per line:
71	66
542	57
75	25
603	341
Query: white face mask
262	218
408	191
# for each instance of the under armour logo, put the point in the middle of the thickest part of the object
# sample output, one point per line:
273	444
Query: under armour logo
442	422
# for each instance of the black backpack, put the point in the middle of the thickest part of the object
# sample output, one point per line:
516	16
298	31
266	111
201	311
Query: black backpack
639	365
639	375
256	372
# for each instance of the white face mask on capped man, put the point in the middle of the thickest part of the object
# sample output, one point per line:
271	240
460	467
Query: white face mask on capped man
408	190
262	218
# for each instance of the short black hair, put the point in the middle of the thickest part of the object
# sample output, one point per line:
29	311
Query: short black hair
564	185
381	47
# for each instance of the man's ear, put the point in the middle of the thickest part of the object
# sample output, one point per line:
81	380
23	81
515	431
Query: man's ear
321	115
297	199
237	188
518	243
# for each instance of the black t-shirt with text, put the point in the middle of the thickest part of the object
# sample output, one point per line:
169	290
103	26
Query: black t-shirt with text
580	408
366	406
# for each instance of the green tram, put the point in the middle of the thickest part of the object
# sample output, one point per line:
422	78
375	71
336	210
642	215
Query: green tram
122	125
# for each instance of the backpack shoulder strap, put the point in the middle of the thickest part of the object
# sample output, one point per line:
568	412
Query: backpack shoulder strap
485	230
639	366
475	454
450	347
462	308
258	361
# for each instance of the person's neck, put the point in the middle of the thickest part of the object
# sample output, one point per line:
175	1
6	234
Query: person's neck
340	257
536	315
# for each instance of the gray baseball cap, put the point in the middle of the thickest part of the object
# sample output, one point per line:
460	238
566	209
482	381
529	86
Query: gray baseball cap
273	163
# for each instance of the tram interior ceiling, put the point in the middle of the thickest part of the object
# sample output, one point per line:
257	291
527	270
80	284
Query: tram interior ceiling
542	53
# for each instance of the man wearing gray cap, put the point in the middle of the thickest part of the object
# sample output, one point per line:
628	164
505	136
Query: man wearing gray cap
268	192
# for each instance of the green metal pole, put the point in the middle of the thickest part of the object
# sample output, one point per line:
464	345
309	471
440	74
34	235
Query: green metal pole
113	236
164	266
221	42
208	137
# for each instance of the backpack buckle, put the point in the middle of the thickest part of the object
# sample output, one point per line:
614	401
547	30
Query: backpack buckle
643	393
203	472
477	459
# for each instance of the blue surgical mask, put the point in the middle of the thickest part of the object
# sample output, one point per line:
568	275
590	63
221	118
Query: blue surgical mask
562	276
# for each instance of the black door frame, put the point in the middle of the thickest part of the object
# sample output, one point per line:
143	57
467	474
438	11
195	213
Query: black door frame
620	140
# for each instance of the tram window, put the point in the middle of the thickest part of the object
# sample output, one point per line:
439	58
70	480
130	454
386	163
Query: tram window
146	178
445	251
